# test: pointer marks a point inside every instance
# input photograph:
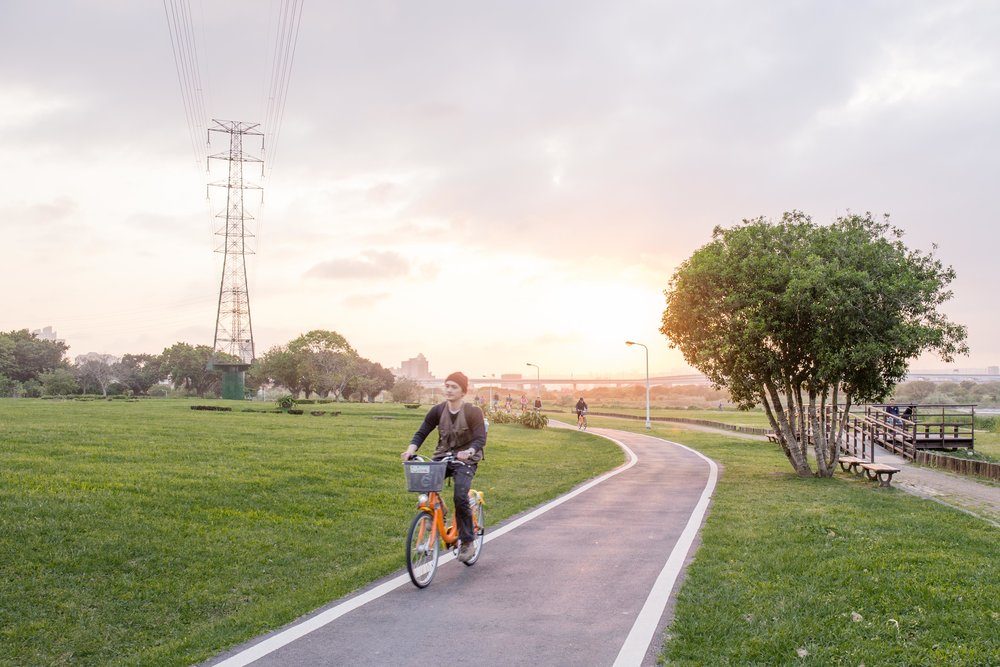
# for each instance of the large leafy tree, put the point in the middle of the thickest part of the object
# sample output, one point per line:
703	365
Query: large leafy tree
368	379
58	382
321	362
806	319
186	367
138	372
24	356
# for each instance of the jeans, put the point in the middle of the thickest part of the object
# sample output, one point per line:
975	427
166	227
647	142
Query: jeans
463	474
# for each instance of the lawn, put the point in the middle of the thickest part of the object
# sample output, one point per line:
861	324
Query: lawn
755	418
147	533
988	444
820	572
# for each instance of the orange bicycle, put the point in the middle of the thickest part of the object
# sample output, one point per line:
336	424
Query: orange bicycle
428	532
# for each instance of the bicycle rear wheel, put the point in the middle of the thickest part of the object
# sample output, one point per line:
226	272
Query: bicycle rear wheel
480	528
422	550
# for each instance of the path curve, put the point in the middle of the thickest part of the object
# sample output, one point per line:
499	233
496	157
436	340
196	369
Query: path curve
582	580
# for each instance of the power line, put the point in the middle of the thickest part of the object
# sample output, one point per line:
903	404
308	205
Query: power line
286	41
183	44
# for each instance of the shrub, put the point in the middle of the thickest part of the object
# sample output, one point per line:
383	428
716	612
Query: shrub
293	411
317	413
412	406
286	402
501	417
305	401
213	408
9	387
533	419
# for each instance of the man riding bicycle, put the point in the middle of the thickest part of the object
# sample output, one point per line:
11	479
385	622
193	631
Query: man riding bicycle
461	433
581	414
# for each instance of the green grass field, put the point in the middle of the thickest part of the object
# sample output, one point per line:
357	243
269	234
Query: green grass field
755	418
148	533
988	444
836	569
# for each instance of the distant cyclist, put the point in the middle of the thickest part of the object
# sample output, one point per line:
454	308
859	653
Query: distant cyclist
581	414
461	432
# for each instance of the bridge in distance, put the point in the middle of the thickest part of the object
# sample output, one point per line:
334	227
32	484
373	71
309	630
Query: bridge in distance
663	380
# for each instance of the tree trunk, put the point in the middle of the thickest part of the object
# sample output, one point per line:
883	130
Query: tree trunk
793	449
818	437
835	428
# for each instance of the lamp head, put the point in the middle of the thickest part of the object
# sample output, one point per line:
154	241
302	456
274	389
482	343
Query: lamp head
630	342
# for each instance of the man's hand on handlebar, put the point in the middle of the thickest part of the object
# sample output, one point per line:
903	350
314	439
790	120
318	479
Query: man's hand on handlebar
408	454
466	454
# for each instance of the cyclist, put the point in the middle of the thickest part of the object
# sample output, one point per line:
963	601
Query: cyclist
581	414
461	432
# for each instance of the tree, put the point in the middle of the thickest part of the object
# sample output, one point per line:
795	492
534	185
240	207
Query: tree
406	390
368	379
58	382
138	372
319	340
807	319
279	366
95	372
318	361
23	355
186	367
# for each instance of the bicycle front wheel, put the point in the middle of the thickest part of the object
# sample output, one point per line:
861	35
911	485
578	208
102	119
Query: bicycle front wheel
480	527
422	549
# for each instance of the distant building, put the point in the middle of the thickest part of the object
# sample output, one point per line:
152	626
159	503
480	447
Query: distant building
47	333
415	368
993	370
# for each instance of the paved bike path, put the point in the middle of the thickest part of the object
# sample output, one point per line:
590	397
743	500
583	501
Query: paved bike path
568	587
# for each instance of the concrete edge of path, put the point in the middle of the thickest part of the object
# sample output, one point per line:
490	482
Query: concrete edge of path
313	622
640	637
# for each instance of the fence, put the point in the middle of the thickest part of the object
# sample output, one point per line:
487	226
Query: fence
987	469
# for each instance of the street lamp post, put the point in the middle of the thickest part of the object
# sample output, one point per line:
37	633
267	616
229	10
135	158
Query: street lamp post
632	342
538	380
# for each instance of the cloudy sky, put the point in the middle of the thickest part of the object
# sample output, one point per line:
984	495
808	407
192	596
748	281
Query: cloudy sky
486	183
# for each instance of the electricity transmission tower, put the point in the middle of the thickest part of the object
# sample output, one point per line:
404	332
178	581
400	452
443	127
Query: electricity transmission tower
232	348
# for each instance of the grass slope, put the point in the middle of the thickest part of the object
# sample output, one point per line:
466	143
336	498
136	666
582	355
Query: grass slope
834	569
148	533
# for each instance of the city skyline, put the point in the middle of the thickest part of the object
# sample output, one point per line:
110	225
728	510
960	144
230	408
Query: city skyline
540	169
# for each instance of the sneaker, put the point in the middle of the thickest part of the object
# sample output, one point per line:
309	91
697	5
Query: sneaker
466	552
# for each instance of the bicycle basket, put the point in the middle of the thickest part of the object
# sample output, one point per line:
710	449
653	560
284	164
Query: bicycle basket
425	476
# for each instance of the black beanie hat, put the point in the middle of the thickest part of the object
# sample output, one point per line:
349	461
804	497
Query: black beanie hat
459	378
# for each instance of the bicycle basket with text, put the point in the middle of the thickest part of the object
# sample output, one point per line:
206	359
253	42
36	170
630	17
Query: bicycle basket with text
425	476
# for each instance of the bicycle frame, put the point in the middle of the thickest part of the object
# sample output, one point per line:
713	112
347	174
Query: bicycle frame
435	507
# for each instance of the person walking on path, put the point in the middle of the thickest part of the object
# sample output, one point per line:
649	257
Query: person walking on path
524	403
462	434
538	403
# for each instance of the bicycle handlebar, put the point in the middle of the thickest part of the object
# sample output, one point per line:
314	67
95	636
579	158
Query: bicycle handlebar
450	458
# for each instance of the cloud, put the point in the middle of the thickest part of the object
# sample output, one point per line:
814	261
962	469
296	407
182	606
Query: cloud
24	106
364	300
371	264
40	213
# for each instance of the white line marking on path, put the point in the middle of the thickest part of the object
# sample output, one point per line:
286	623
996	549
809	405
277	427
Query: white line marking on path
285	637
641	634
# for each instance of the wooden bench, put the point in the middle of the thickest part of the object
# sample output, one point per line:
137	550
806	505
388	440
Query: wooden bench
772	437
879	471
850	464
